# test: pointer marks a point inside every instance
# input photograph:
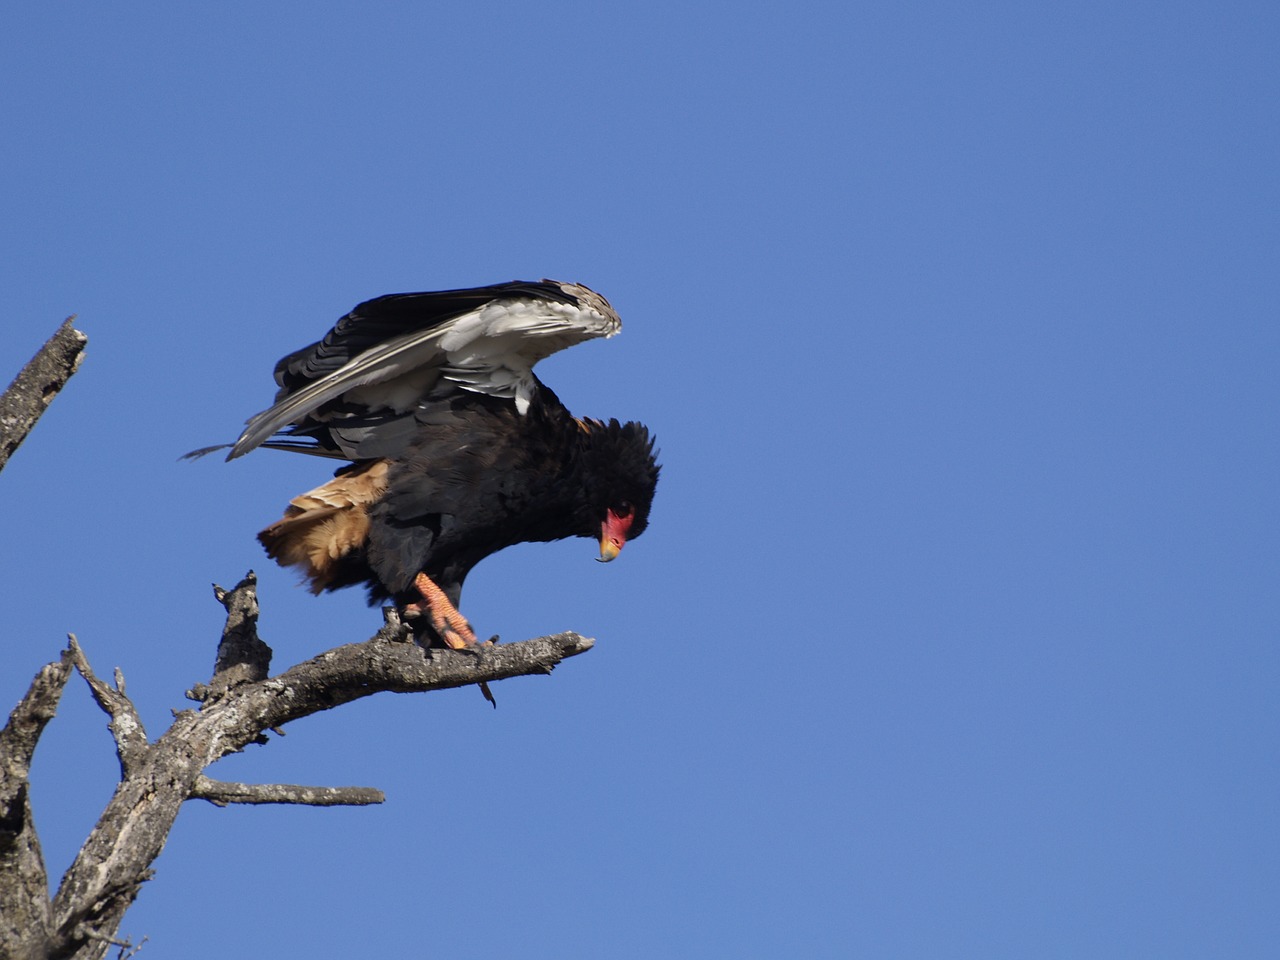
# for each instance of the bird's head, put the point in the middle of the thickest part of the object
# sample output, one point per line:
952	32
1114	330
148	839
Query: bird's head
623	476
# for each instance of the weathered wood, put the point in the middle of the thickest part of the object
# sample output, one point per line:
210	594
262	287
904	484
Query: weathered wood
158	777
25	910
242	656
34	388
220	793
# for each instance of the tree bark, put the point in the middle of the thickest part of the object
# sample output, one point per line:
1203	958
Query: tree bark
37	384
25	911
158	777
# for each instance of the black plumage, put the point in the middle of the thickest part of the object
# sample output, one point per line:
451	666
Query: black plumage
456	449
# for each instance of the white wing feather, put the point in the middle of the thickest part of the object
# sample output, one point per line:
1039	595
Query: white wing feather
489	350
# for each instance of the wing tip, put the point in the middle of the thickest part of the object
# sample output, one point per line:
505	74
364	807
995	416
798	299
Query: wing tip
204	452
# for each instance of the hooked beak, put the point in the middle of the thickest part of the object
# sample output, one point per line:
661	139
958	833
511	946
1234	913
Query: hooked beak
613	535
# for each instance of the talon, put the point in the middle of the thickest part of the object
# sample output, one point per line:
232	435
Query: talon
452	640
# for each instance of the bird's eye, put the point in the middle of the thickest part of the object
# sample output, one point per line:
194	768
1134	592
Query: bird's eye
624	508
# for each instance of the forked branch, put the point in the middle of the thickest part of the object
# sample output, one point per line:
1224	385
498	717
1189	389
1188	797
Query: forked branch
236	710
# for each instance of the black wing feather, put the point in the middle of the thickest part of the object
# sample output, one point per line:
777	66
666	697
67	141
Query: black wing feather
350	391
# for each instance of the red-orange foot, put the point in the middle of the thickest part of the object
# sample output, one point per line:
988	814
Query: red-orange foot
445	618
451	625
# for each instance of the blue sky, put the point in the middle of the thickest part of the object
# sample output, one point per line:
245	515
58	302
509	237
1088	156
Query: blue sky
955	629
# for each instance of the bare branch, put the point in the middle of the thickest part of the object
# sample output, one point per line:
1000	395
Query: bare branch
27	721
157	778
37	384
90	934
221	793
358	670
126	725
116	858
242	656
25	912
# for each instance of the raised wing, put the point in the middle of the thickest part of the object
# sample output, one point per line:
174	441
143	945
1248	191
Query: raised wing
392	354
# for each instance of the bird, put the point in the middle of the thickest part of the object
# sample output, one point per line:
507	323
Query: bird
453	449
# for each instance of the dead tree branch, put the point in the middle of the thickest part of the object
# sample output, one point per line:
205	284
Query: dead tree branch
158	777
220	794
242	657
25	910
126	726
37	384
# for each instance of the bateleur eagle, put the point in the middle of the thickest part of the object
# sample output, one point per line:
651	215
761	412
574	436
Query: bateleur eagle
456	448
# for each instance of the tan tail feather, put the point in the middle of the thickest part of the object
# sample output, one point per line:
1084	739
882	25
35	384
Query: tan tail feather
322	526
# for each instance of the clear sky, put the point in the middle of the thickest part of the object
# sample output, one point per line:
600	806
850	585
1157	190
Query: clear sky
955	629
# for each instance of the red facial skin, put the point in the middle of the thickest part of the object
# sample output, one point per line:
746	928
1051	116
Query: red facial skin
613	533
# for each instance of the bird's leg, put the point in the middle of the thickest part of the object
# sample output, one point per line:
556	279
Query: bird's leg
445	618
451	625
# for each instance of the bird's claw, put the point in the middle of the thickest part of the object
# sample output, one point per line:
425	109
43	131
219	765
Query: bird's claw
450	625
